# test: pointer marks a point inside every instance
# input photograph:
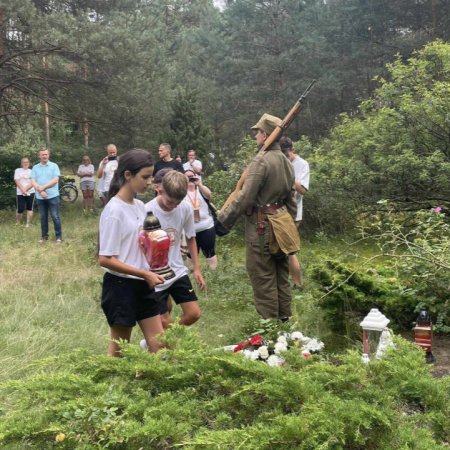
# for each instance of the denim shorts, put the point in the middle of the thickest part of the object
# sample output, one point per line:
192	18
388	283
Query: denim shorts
87	185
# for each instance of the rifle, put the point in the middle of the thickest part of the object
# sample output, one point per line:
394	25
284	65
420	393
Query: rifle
273	137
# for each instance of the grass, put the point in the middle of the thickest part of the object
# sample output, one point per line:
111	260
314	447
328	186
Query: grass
50	294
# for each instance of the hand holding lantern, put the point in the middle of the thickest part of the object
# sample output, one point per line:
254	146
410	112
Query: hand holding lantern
155	245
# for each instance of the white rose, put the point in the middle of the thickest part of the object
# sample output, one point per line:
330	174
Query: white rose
314	345
282	340
296	335
275	361
263	352
251	354
280	348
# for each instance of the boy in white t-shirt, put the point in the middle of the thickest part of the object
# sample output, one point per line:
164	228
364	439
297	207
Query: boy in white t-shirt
175	216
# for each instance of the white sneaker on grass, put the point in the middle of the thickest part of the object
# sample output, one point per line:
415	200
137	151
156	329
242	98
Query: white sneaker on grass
144	345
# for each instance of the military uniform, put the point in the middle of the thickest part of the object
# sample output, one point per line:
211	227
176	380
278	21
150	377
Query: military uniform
268	188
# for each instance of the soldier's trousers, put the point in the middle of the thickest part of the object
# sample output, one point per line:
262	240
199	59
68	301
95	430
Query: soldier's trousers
269	275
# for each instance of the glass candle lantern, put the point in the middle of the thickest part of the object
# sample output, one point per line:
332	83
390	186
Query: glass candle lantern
373	326
155	244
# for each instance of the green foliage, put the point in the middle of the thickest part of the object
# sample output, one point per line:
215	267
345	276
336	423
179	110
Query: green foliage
23	145
396	148
347	295
187	127
410	272
418	245
223	182
196	397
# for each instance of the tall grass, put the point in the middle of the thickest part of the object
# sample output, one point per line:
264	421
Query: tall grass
50	293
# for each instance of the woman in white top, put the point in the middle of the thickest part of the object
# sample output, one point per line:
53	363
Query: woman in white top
24	191
204	223
87	182
128	294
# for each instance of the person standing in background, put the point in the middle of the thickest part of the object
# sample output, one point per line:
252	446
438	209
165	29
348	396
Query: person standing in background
106	169
193	164
166	160
45	179
196	197
87	182
301	170
24	191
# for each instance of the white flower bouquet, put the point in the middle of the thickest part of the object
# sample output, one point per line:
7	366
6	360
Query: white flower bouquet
257	348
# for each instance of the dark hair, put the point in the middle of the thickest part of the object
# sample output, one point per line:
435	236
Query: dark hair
286	143
157	179
133	160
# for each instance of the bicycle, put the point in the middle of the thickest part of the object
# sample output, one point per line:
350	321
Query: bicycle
68	192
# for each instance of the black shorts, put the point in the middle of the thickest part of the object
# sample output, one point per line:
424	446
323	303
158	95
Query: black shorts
24	201
126	301
181	291
206	242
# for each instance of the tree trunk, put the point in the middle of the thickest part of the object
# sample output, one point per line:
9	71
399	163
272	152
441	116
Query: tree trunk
46	109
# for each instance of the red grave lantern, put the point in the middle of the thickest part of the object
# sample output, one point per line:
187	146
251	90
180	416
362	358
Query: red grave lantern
423	334
155	244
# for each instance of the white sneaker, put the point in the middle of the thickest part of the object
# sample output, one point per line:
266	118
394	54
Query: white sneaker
144	345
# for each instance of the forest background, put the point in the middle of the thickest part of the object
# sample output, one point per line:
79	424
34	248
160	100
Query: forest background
76	75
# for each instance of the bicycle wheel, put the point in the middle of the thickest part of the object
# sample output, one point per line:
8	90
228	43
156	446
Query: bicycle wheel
68	193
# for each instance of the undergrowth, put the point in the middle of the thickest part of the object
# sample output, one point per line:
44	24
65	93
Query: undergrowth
193	396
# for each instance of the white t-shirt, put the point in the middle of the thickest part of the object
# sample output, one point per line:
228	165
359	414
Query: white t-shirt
301	170
195	164
86	169
206	220
120	224
174	223
100	187
108	173
24	177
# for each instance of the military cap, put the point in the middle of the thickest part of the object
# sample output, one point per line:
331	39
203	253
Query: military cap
267	123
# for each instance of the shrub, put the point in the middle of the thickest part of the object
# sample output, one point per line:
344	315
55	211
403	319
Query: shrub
197	397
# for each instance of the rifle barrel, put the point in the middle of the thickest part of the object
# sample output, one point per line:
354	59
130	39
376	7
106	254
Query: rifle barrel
307	91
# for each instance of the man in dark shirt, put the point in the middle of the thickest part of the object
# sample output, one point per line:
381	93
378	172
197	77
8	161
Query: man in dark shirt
166	160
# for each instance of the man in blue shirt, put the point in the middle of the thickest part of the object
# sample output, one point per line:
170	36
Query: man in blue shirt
45	178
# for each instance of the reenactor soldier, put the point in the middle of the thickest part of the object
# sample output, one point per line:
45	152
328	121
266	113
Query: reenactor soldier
267	199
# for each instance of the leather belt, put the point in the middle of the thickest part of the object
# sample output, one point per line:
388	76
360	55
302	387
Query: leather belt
270	208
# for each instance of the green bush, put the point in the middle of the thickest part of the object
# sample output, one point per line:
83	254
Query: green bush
418	245
347	296
197	397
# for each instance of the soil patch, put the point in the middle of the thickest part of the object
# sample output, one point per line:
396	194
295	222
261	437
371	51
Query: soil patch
441	351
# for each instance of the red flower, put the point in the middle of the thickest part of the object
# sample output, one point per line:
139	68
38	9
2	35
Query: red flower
256	341
241	346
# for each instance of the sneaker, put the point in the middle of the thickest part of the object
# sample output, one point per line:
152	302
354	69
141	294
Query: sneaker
58	241
42	241
144	345
27	225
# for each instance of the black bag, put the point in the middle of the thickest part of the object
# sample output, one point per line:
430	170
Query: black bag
220	229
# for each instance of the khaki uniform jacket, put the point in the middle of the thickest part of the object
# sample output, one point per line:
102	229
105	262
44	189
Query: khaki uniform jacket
270	179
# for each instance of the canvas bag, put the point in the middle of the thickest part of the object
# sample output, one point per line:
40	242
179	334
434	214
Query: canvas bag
284	233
